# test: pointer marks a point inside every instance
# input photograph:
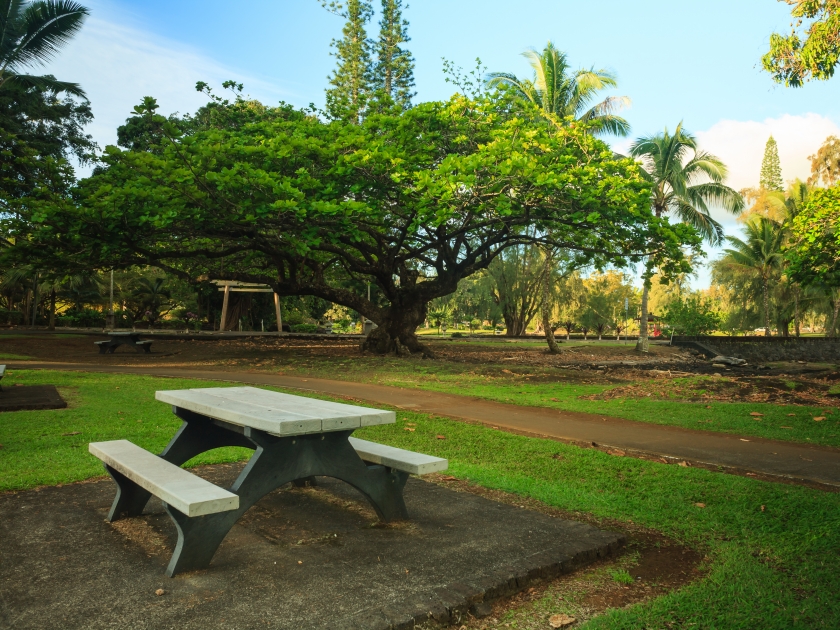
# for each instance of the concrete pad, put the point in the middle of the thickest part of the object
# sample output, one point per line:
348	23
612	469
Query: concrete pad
300	558
31	397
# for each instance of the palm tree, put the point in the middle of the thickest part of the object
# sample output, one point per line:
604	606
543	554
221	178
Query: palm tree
686	181
556	89
760	255
31	33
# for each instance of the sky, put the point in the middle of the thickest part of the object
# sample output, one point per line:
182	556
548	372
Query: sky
697	63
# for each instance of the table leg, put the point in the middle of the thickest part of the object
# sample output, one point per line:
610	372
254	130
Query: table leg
276	462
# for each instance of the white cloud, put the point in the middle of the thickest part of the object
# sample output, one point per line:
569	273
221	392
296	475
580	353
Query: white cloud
740	144
117	65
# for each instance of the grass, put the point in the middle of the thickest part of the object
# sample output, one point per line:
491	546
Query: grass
539	387
13	357
772	549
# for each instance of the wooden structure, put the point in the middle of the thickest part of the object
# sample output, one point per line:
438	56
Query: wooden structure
246	287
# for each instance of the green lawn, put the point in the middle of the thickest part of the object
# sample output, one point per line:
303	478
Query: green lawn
13	357
773	550
555	389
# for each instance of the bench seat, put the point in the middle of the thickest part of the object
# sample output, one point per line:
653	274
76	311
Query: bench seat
398	458
178	488
103	343
2	373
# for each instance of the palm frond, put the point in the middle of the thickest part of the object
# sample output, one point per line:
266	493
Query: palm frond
48	25
48	83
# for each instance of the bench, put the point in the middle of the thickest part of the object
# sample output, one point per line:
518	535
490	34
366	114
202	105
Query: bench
398	458
186	497
2	374
109	346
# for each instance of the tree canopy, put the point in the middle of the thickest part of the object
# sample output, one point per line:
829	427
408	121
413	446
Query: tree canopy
814	251
771	168
412	201
812	49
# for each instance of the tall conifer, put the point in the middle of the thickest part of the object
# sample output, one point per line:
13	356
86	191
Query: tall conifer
394	70
351	80
771	168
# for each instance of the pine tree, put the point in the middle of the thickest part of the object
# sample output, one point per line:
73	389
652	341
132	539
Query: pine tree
394	71
771	168
351	80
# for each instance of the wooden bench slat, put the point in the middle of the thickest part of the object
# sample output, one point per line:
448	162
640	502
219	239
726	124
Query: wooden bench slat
280	414
181	489
401	459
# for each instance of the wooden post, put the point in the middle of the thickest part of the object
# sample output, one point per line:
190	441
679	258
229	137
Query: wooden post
224	308
279	316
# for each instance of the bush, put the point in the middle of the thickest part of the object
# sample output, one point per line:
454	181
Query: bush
457	335
10	317
304	328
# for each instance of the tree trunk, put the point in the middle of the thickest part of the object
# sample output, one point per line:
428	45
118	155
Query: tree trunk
796	309
766	308
833	331
545	307
643	344
52	309
396	332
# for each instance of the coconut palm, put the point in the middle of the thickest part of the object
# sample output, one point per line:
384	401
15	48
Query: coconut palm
685	182
559	90
760	256
31	33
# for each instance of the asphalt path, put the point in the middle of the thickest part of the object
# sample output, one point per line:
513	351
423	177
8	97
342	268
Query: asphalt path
800	462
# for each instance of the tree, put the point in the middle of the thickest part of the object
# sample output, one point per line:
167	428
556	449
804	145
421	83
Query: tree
518	275
814	250
411	201
685	181
351	81
604	300
760	256
32	33
771	168
568	95
793	61
825	163
693	315
394	70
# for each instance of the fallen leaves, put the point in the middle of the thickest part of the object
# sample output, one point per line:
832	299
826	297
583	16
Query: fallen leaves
560	621
617	452
700	505
744	440
412	429
441	437
448	478
160	591
762	508
819	418
685	464
755	414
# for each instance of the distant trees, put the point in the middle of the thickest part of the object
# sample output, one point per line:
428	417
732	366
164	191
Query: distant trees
368	70
825	163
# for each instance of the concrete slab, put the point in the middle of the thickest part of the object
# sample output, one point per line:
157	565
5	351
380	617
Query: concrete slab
31	397
301	558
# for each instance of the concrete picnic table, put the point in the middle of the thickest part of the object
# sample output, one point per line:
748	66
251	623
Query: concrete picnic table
118	339
294	439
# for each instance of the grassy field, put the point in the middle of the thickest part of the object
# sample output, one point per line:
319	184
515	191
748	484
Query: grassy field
772	550
576	391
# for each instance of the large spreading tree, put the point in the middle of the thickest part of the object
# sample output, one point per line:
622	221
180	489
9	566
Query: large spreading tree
411	201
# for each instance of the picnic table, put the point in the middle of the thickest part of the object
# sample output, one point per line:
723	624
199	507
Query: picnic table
294	439
117	339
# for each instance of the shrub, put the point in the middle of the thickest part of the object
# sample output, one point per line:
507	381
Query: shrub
304	328
457	335
10	317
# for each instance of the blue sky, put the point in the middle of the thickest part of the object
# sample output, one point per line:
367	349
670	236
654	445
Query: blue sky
698	62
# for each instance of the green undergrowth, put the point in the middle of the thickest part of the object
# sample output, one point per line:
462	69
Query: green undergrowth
567	390
773	550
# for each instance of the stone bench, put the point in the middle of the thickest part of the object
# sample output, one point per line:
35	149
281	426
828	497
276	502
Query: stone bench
398	458
2	374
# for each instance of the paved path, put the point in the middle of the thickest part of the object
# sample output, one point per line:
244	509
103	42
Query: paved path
797	461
